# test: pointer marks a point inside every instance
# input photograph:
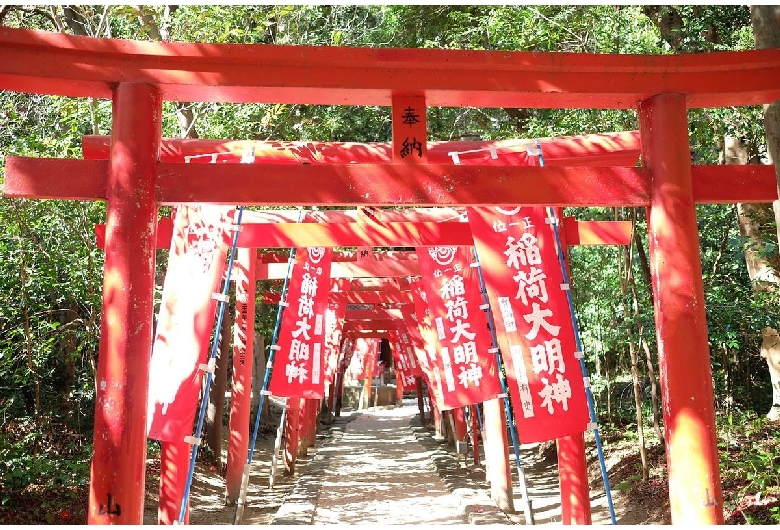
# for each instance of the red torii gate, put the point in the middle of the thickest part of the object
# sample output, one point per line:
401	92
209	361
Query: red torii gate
604	232
399	233
139	75
608	232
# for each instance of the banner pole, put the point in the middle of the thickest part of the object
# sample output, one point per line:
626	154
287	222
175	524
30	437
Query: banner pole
209	373
240	504
527	509
591	407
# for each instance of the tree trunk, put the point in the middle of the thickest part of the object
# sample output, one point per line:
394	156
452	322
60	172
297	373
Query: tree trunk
258	375
770	350
216	405
609	385
653	391
67	361
729	401
766	31
625	276
644	264
755	223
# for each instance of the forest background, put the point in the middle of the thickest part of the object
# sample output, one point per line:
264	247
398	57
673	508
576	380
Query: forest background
51	269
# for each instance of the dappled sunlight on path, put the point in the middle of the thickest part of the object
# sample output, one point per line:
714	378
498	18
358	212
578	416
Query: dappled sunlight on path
379	473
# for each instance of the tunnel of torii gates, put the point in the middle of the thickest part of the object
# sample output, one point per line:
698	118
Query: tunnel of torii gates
135	180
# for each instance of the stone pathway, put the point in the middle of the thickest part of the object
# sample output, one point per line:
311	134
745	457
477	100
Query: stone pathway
379	474
382	467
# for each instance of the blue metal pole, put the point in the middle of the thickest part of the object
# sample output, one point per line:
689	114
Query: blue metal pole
204	401
479	418
588	392
266	379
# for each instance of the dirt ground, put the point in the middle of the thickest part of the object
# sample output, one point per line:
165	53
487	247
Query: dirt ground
207	506
539	464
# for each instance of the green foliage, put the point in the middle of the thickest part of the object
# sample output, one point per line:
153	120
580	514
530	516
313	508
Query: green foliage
750	466
35	454
51	272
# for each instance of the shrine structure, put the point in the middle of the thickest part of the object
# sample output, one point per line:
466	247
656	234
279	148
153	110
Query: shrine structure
134	177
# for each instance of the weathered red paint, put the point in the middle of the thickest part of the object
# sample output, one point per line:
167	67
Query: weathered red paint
386	185
572	459
474	433
117	476
371	325
341	256
174	469
420	403
436	414
332	394
573	478
605	149
368	334
459	418
400	234
340	377
243	361
385	264
67	65
681	324
292	427
367	384
365	297
363	269
304	428
350	184
372	314
498	471
314	411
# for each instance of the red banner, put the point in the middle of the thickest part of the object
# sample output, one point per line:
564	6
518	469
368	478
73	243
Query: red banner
464	344
334	322
520	267
406	364
196	264
365	353
404	351
299	360
425	349
403	375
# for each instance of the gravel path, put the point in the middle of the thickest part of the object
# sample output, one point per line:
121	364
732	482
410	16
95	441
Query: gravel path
380	474
381	466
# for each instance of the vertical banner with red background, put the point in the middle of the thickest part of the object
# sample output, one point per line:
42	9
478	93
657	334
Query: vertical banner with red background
196	264
365	353
425	340
334	324
407	368
452	289
299	361
407	350
520	267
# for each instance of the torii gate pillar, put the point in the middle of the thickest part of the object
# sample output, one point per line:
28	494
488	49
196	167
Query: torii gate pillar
572	459
681	326
119	461
243	361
